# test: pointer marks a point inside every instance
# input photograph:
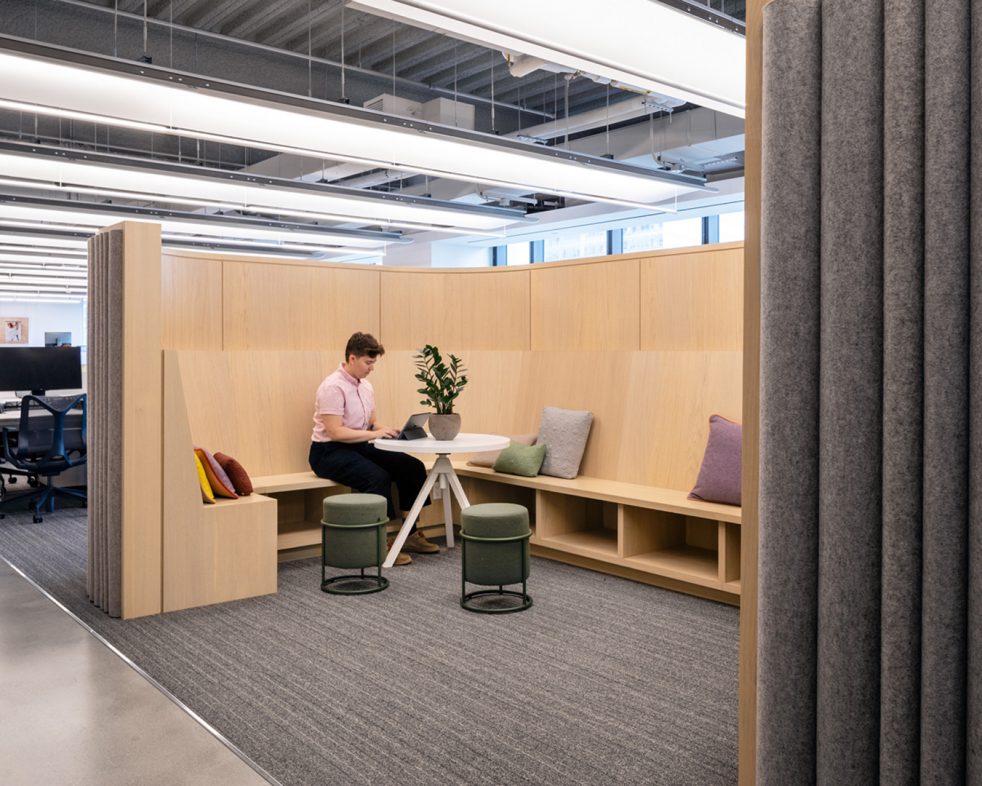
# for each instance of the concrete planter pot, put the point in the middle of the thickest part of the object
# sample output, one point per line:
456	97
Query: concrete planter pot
444	427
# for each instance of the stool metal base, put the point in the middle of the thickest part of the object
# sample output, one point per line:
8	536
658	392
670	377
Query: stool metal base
466	601
378	583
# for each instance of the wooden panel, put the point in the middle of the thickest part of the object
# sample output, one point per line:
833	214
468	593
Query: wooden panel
702	534
191	302
497	382
747	721
296	307
455	310
586	307
693	301
729	550
643	531
141	400
668	400
255	406
211	553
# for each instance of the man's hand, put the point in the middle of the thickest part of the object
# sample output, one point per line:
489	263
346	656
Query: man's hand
384	432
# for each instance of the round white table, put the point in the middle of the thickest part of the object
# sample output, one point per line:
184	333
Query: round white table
442	473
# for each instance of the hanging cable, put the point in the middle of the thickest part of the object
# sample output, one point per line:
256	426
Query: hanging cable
344	97
310	62
146	27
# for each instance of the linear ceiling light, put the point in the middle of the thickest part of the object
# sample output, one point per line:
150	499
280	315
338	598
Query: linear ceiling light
640	43
63	215
68	83
39	168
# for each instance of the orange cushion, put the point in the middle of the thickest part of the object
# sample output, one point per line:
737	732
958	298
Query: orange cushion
217	479
207	495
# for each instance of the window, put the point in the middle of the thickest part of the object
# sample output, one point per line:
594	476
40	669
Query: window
576	245
731	226
665	234
519	253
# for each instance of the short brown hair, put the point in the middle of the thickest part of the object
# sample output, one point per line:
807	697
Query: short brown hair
361	344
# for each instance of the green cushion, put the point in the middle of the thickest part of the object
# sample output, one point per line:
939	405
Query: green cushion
495	520
348	509
523	460
493	562
354	547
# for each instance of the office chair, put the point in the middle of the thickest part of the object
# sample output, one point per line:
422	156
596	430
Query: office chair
44	448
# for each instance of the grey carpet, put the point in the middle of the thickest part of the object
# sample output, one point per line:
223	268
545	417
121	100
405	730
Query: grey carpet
602	681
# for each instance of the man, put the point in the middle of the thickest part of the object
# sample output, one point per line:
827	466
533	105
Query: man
345	425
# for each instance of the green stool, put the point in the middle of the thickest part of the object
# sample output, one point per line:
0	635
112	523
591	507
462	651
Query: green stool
353	536
494	551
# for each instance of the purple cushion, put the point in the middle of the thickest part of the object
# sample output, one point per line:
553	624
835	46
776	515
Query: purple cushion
719	475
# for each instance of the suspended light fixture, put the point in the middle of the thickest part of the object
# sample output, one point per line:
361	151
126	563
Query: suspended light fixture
72	84
41	215
644	44
42	167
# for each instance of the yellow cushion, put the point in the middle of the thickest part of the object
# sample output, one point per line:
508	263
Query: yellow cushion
221	486
207	495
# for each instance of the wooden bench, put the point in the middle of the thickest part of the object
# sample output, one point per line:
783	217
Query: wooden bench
299	504
646	533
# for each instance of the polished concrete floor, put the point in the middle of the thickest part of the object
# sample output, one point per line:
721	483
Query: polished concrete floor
73	712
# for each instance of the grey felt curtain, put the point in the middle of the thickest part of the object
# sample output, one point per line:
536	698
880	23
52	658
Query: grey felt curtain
871	376
104	382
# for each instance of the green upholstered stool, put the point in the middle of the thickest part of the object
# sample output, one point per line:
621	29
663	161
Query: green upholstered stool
353	536
494	551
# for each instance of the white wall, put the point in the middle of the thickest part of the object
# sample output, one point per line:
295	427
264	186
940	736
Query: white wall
53	317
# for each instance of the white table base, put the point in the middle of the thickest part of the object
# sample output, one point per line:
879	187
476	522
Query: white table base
442	473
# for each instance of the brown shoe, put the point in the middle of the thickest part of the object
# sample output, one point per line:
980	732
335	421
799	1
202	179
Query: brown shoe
401	558
418	544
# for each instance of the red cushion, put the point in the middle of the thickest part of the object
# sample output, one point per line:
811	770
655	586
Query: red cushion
236	473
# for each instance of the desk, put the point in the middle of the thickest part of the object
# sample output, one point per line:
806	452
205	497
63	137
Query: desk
442	472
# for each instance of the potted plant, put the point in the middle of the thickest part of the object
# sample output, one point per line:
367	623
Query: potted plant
442	383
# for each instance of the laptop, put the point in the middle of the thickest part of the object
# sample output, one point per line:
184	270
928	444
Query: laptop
414	427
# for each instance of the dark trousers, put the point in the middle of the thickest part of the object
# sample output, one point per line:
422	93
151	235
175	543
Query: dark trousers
366	469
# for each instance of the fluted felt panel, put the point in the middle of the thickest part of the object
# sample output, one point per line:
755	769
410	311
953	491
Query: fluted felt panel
870	362
105	368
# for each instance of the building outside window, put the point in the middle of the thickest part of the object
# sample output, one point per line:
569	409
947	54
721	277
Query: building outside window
519	253
576	245
731	227
664	234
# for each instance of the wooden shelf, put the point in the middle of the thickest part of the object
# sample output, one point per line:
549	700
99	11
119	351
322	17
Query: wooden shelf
294	481
635	495
221	503
683	562
595	543
295	534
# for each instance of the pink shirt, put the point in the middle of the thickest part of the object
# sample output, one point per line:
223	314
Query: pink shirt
342	394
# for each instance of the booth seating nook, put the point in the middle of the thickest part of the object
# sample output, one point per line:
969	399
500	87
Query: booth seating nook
650	343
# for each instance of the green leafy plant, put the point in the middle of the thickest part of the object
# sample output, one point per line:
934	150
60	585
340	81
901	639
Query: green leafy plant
442	382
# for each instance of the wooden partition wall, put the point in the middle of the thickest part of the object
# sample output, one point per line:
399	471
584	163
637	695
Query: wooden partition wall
650	342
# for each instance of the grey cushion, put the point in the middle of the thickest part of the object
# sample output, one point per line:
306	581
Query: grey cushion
564	433
522	460
487	459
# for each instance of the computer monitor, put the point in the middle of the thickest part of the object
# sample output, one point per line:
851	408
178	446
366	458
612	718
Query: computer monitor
39	369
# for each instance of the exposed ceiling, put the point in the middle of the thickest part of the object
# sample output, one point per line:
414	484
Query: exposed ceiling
327	51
